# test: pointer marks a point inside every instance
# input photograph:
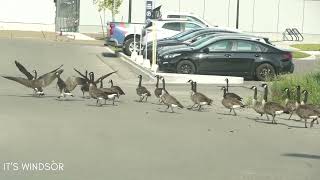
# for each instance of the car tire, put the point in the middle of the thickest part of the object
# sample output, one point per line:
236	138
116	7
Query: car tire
186	67
129	45
265	72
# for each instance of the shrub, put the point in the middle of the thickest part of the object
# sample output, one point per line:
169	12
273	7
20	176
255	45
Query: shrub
309	82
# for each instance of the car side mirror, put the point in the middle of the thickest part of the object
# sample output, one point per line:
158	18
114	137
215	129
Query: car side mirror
206	50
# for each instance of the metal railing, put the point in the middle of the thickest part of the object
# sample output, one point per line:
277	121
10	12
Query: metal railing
292	34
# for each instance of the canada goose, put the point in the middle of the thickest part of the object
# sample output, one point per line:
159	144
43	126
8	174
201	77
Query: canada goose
271	108
168	99
63	89
305	111
38	91
230	103
111	93
96	93
117	89
39	83
289	104
158	90
198	98
229	94
142	91
305	100
84	81
257	105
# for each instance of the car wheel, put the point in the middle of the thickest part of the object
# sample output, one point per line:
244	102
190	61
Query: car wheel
186	67
129	46
265	72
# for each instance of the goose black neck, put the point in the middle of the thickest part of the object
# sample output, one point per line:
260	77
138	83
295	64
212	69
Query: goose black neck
305	98
101	84
227	80
265	96
111	82
86	74
163	84
35	74
255	95
288	94
157	85
140	80
298	95
224	92
195	87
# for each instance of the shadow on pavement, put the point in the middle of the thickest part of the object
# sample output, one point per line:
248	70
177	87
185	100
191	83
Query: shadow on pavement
301	155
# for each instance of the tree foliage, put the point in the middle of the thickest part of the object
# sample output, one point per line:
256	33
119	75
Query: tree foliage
108	5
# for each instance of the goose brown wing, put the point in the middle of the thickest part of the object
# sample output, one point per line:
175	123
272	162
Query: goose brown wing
82	75
47	79
23	81
233	95
24	70
143	90
53	71
104	76
71	83
80	81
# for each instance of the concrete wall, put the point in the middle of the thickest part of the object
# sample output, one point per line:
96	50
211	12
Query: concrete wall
34	15
255	15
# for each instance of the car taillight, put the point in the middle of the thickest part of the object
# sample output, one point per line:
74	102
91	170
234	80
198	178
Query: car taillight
111	29
287	56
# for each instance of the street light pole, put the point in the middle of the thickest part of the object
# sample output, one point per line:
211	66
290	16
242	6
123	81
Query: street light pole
130	8
237	22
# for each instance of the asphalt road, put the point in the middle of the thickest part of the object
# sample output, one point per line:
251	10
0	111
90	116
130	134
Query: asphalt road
135	141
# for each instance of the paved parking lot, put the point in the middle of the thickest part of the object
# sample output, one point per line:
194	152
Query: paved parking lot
138	140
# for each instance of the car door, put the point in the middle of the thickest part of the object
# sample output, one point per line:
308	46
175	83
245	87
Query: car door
213	59
242	57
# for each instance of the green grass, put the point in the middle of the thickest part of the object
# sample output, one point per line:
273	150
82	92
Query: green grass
298	54
310	82
307	47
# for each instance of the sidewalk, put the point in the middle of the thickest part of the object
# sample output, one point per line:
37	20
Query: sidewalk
69	37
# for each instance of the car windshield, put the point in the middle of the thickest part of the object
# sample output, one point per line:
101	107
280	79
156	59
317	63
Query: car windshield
188	36
177	36
199	42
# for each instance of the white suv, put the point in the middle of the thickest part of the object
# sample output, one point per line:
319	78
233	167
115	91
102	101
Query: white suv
166	28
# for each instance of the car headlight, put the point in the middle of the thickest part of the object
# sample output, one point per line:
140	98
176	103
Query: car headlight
170	56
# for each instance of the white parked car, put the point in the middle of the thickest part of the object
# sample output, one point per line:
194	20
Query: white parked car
166	28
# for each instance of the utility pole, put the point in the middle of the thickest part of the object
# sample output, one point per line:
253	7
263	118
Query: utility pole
130	8
237	21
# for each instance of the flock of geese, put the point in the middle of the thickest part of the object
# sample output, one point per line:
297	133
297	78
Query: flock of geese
230	100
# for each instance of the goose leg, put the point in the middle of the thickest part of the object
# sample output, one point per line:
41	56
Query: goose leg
146	99
305	123
273	119
267	117
199	109
167	108
290	115
172	110
234	112
113	100
311	124
230	110
141	98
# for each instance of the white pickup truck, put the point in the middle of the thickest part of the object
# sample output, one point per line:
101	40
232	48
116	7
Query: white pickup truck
121	34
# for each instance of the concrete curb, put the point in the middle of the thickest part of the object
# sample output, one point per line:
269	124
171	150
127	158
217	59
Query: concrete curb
174	78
